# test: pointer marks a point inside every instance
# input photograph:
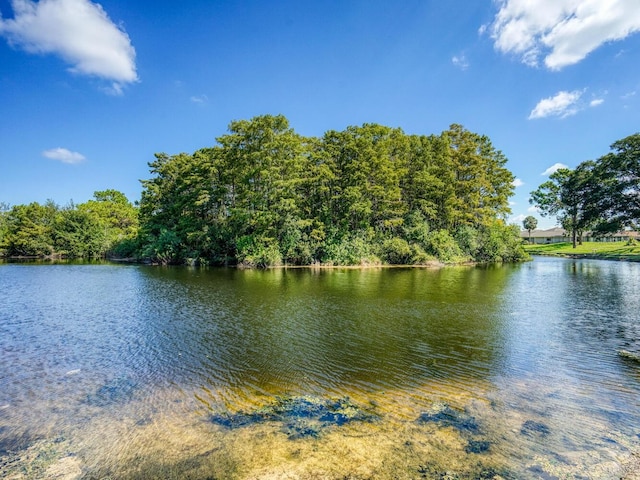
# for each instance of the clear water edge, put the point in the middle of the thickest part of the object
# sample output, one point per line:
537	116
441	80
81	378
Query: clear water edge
115	371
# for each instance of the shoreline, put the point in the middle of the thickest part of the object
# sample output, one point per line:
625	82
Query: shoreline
586	256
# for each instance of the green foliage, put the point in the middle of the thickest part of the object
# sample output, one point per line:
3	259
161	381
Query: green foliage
602	195
29	229
258	252
78	234
397	251
349	249
500	243
4	228
443	246
87	230
264	195
530	223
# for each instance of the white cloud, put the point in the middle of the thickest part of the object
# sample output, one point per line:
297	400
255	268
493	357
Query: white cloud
63	155
629	95
460	61
78	31
562	104
553	168
518	219
563	32
199	99
596	101
518	183
533	209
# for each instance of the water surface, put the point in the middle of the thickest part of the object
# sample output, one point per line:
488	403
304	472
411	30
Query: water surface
112	371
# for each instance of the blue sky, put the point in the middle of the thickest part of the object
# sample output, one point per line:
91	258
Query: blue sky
90	91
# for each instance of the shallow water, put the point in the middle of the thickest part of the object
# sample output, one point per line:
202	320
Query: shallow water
112	371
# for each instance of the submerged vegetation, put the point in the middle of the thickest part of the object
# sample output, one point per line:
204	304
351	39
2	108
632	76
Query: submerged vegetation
264	195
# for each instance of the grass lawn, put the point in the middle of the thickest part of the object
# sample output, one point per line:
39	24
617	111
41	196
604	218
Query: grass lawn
604	250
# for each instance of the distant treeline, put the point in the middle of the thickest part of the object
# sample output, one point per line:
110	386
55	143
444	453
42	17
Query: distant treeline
97	228
264	195
601	195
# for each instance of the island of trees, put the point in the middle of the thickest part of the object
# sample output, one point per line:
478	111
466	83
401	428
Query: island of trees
264	195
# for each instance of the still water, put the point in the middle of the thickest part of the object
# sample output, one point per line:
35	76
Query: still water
112	371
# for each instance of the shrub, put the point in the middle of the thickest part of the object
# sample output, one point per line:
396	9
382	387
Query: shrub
258	252
444	246
419	256
396	251
349	250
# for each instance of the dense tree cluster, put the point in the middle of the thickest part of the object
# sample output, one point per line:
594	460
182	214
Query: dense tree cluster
602	195
106	224
265	195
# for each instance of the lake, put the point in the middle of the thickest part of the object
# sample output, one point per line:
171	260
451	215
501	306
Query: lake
513	371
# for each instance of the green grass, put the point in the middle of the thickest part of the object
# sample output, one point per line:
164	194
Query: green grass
604	250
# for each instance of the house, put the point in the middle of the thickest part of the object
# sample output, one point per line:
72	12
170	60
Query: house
560	235
551	235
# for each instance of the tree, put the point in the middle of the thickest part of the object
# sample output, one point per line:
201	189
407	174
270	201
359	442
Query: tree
78	234
4	209
29	229
570	196
618	177
481	184
530	223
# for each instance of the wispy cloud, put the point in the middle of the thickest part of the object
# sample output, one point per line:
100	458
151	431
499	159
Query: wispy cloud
63	155
518	183
596	101
533	209
199	99
460	61
78	31
562	104
553	168
518	219
561	32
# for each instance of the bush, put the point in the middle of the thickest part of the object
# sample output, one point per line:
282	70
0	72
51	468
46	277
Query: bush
444	246
125	248
396	251
163	248
258	252
468	238
500	243
349	250
419	256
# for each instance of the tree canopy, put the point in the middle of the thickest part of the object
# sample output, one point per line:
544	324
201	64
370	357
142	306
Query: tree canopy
89	230
601	195
265	195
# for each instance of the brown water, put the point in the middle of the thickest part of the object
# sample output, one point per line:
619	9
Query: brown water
110	371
